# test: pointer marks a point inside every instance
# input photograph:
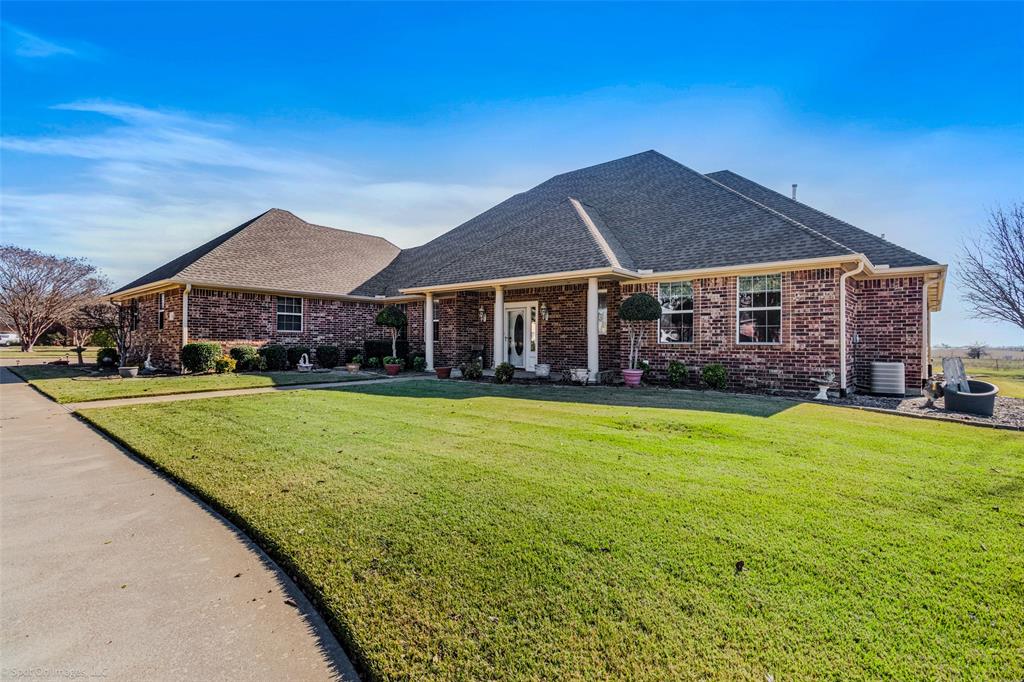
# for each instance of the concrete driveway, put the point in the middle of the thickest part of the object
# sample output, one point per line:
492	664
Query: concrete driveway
109	570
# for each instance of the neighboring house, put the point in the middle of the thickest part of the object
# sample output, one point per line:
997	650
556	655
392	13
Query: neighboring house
773	289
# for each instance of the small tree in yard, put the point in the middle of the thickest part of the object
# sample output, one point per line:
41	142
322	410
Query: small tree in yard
991	269
82	323
394	319
635	312
124	332
38	290
975	351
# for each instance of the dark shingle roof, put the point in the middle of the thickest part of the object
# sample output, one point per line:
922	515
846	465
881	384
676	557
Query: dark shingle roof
878	250
278	250
657	213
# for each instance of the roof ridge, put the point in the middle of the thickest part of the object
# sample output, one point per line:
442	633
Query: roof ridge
595	233
328	227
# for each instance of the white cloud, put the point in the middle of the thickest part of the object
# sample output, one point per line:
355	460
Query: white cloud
31	46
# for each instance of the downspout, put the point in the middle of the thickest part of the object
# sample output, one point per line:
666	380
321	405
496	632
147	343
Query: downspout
842	324
184	318
925	330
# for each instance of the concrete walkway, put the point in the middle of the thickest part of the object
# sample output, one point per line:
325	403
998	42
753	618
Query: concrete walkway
118	402
110	570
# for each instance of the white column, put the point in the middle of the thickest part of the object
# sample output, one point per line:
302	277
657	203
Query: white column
428	330
499	325
592	347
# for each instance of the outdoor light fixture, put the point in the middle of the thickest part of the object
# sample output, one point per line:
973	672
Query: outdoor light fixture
544	312
856	338
483	314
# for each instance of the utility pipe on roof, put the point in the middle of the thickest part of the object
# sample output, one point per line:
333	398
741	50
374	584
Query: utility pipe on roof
842	324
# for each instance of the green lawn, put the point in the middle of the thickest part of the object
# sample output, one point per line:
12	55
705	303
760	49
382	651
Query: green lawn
69	384
47	353
459	531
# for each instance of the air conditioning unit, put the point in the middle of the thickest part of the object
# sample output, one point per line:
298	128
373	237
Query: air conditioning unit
888	378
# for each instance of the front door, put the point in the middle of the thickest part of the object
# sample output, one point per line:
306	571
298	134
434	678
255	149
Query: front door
521	336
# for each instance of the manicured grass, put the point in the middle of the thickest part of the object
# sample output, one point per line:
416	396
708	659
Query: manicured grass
47	353
458	531
69	384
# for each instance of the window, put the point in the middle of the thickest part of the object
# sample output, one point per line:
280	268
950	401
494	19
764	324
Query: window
134	314
602	312
289	314
437	323
403	333
161	305
676	323
759	309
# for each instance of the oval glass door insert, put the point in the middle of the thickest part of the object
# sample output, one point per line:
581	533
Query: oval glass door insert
518	334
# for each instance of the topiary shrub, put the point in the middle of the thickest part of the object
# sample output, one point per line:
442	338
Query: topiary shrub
247	358
714	376
471	370
275	357
419	363
295	354
200	357
503	373
394	319
107	357
634	312
328	356
676	373
225	363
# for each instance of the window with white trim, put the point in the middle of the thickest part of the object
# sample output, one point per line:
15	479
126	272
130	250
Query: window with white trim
437	323
759	309
161	307
602	312
676	323
289	314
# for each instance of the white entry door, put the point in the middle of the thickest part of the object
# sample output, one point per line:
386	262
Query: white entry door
521	336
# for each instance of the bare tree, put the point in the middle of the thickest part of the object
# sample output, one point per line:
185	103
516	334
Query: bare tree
991	274
38	290
82	323
124	331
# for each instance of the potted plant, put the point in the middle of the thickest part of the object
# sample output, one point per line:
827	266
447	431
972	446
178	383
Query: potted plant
443	372
354	364
392	365
636	311
394	319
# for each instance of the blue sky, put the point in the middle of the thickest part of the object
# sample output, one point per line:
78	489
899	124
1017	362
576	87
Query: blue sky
132	132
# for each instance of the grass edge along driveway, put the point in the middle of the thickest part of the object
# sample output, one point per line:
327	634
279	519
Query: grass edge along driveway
71	384
458	531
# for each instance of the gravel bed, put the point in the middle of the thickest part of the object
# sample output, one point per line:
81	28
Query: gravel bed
1009	412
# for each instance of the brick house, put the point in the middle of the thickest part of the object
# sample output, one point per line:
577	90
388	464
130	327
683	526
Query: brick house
773	289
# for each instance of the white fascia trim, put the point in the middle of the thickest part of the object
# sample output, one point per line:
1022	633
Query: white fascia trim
595	233
166	284
620	273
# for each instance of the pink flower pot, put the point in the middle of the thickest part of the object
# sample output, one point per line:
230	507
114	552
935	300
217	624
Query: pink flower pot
632	377
392	370
443	372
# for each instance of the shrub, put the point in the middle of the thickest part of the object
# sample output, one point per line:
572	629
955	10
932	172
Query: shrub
275	357
714	376
419	363
247	358
676	373
391	360
107	357
224	363
471	370
328	356
373	363
295	354
503	373
648	371
380	349
356	359
635	311
103	338
200	357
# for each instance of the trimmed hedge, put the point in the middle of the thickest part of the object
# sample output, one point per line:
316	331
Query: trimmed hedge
714	376
676	373
247	358
200	357
328	356
107	357
275	357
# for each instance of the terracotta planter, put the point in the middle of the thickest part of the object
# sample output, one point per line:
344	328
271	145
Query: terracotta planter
352	367
632	377
128	372
443	372
392	370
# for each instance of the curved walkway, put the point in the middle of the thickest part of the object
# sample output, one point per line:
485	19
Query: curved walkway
108	569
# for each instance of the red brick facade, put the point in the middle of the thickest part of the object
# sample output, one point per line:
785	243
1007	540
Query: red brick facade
162	345
884	322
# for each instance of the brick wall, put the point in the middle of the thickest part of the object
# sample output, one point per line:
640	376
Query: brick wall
887	320
162	345
809	336
234	318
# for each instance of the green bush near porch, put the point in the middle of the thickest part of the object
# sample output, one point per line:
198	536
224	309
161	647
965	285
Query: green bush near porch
200	357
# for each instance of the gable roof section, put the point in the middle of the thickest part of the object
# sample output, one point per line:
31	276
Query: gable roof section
278	250
653	212
878	250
